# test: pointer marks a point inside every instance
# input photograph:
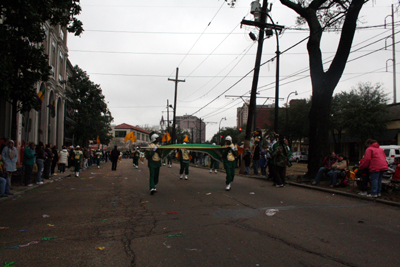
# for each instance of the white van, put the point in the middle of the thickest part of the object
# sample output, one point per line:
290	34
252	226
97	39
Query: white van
391	153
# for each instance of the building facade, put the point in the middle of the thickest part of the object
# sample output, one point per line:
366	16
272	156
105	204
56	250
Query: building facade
120	131
262	116
194	126
44	125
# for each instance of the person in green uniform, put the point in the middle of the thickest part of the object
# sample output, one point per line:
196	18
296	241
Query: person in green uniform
136	156
99	155
228	155
169	160
78	156
154	161
214	166
184	160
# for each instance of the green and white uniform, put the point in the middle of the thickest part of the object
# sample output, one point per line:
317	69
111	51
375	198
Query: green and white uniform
228	155
154	164
78	156
184	160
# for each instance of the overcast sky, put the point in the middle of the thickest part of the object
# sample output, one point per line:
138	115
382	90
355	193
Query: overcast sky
131	47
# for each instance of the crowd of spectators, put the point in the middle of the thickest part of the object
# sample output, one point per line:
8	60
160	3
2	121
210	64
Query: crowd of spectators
36	162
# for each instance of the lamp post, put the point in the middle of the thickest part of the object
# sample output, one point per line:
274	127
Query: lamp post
287	114
219	129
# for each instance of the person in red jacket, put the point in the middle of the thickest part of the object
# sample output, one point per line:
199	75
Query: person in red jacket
396	175
375	162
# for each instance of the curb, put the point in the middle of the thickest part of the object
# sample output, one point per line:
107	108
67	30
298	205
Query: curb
313	187
327	190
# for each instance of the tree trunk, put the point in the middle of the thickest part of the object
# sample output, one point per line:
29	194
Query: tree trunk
319	128
14	120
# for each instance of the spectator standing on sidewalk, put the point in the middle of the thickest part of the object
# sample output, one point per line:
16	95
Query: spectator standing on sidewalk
55	159
86	156
3	181
263	164
375	162
40	157
247	161
280	157
10	158
256	155
29	160
48	161
63	159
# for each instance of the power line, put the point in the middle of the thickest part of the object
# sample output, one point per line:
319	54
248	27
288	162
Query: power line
200	36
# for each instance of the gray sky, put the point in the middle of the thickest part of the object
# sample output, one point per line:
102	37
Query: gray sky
131	47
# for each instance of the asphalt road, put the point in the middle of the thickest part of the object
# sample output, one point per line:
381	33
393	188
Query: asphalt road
106	218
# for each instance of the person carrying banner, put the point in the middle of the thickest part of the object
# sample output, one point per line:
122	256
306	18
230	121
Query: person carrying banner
184	158
228	156
136	156
154	161
78	155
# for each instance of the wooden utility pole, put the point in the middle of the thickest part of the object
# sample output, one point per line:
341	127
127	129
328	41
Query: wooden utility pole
176	93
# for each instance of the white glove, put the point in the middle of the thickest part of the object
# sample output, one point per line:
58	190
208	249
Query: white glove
233	148
155	148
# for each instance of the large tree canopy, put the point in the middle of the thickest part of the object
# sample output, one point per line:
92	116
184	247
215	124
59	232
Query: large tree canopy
91	114
22	58
359	113
318	14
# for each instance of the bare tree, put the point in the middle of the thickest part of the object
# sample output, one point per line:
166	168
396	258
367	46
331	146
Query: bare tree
319	14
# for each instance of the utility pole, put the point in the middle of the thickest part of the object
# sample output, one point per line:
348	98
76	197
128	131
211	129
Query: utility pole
393	59
176	92
260	15
168	117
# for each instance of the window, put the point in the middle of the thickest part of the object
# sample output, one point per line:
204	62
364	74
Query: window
53	70
120	134
387	151
60	78
61	56
53	46
61	34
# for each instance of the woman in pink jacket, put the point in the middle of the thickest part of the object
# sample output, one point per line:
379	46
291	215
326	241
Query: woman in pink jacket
375	162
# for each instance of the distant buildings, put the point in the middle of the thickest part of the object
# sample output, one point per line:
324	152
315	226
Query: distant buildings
262	116
120	131
194	126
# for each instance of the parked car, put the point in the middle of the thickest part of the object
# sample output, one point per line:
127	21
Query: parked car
391	153
299	156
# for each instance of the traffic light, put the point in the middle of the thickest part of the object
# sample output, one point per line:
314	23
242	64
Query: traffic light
222	137
240	130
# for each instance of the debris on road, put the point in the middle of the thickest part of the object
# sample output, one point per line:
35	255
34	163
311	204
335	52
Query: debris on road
176	235
271	212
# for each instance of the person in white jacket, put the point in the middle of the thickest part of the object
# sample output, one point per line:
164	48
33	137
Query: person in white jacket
63	158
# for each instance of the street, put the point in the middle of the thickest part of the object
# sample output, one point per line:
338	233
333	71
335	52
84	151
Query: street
108	218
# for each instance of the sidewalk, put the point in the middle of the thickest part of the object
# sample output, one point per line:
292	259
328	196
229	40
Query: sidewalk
299	169
21	189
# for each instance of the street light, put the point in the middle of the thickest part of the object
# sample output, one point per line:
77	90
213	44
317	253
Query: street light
219	129
287	114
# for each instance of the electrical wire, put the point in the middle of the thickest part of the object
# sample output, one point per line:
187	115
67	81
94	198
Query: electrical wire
199	37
